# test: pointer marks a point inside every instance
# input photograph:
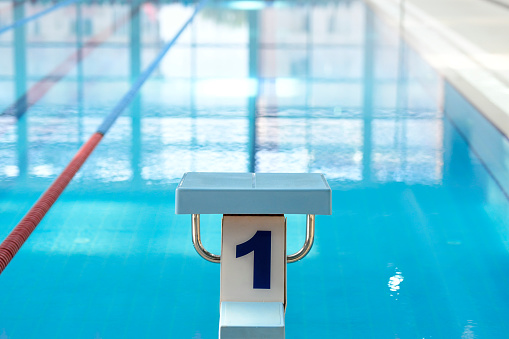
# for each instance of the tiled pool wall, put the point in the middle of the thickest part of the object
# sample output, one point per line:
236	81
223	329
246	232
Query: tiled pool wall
486	141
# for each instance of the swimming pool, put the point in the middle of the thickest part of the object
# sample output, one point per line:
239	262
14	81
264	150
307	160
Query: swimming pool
417	246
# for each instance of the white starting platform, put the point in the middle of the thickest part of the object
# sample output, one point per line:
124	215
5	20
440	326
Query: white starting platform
253	193
253	247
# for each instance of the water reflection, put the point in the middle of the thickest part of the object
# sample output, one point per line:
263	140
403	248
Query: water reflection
395	282
310	88
315	87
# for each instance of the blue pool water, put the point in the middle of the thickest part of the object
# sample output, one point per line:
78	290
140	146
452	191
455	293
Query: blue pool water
418	242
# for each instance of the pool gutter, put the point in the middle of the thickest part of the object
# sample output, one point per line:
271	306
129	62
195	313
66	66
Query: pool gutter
473	71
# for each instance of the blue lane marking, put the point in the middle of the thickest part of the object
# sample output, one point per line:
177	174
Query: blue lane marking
37	15
129	96
39	89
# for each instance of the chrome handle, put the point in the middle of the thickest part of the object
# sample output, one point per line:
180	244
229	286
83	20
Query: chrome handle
310	238
308	243
195	222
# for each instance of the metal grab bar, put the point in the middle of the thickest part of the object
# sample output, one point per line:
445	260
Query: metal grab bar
310	237
195	222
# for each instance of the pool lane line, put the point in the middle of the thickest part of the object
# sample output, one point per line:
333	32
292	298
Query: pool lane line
17	237
41	87
36	15
26	226
133	91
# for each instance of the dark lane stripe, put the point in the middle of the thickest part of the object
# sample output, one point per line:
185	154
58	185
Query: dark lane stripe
129	96
36	15
11	245
39	89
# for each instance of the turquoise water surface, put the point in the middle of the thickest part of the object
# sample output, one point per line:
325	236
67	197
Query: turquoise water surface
418	242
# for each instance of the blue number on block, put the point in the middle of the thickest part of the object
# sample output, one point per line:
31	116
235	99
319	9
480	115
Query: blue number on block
260	244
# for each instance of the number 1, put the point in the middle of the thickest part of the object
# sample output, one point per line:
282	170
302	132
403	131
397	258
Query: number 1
260	243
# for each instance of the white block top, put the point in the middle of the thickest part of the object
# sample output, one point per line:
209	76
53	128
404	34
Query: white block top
253	193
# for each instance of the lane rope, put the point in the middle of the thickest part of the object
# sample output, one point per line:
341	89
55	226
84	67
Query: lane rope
36	15
10	246
133	91
40	88
18	236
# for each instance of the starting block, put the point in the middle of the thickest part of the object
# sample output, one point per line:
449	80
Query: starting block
253	248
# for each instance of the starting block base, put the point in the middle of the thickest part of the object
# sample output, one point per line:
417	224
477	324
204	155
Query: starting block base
252	320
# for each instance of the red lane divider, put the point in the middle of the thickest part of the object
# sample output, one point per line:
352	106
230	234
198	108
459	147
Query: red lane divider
40	88
11	245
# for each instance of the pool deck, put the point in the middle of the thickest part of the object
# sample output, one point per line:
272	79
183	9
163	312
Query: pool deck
466	41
